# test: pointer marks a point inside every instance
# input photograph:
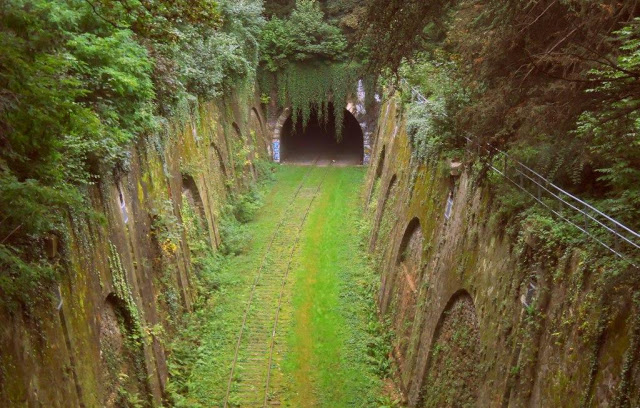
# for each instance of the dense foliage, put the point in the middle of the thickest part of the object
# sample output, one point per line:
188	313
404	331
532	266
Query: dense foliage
304	63
554	83
397	29
301	59
302	37
81	80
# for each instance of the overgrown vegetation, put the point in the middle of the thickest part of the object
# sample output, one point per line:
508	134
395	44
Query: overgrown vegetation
338	348
552	83
304	62
555	85
301	37
79	82
214	277
454	373
200	355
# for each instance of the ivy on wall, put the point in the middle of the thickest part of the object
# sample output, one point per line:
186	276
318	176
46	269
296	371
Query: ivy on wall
80	82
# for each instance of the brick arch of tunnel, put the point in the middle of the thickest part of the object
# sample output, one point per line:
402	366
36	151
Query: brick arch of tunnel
293	142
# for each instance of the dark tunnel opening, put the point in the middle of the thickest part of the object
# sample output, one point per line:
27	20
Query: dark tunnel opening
318	140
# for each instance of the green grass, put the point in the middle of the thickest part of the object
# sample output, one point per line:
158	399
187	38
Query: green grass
327	364
203	352
328	310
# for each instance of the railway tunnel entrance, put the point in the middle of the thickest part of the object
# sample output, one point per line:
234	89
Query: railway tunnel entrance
319	140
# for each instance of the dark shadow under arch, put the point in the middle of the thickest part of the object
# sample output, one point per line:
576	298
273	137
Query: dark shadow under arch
119	354
403	293
191	193
236	128
380	166
319	139
412	236
223	168
220	160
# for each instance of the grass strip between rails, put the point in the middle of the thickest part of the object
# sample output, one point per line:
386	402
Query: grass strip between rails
330	353
328	363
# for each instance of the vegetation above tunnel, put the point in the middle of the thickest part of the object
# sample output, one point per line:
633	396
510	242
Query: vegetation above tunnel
305	63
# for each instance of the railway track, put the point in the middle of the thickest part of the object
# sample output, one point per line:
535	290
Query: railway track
252	380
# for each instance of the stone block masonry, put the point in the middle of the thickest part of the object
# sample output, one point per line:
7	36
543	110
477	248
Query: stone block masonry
126	277
452	284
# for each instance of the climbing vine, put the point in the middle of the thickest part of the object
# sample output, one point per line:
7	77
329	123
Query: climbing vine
123	293
131	325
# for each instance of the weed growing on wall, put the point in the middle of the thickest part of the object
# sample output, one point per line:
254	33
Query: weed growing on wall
24	276
131	326
265	168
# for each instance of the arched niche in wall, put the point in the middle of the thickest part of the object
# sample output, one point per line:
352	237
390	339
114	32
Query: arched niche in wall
121	366
237	131
375	186
256	123
248	167
380	166
404	292
382	222
616	380
191	196
193	210
452	377
217	158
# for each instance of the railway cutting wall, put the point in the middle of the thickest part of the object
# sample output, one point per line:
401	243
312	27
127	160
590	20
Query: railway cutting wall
126	277
484	315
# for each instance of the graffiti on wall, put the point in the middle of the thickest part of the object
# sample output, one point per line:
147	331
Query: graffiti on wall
276	151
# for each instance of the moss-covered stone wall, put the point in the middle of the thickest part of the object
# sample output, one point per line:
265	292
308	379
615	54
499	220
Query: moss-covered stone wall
127	276
537	327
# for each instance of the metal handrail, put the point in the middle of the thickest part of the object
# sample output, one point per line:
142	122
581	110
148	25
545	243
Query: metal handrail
621	239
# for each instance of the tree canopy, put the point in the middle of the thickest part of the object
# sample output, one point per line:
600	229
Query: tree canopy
303	36
553	82
80	80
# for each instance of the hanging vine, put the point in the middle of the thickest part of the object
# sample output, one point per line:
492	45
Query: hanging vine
311	87
304	62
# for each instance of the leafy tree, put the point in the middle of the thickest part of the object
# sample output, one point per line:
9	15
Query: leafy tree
430	125
397	29
304	36
554	83
80	80
612	132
